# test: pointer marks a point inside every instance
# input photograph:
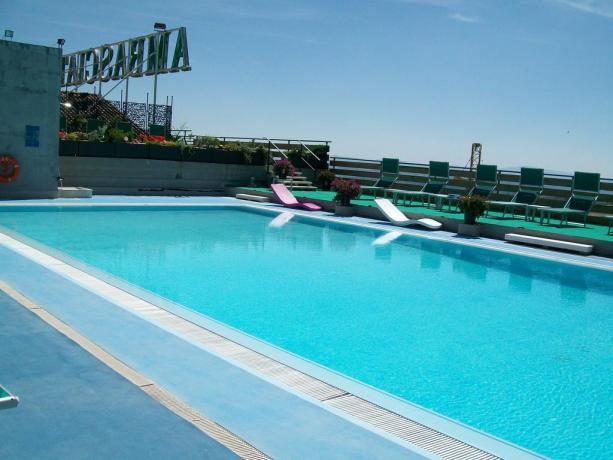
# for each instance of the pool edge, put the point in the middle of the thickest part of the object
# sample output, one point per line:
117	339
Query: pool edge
442	424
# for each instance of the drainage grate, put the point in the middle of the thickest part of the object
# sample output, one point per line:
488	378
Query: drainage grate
408	430
215	431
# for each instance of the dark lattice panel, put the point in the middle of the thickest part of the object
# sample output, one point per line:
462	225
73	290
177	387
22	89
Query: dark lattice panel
137	113
92	106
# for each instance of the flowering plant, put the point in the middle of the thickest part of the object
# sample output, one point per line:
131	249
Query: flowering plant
283	168
151	139
346	190
62	135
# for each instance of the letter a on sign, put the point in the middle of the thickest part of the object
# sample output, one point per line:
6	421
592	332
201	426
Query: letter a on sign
181	52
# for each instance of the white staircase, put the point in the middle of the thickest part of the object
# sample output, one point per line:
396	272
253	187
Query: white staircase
297	181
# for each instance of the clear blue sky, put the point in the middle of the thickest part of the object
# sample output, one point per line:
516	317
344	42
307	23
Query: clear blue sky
532	80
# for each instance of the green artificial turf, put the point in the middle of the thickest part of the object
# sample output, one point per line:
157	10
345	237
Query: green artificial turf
597	232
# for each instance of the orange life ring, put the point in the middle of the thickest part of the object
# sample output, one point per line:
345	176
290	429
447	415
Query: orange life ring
9	169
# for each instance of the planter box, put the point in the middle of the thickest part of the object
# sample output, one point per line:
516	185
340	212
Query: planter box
69	148
233	158
468	230
96	149
138	151
198	155
223	157
160	152
214	156
258	159
343	211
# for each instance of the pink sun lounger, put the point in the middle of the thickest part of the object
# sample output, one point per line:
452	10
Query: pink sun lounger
288	199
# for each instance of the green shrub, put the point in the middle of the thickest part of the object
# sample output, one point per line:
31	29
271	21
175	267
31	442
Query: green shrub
320	150
98	135
206	142
118	136
325	179
78	124
295	154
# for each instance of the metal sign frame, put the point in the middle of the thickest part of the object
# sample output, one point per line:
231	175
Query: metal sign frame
134	57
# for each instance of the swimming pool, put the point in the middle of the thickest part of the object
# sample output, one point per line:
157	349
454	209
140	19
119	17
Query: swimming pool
515	346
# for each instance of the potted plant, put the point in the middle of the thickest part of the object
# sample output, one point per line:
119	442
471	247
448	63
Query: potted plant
325	178
346	190
473	207
282	168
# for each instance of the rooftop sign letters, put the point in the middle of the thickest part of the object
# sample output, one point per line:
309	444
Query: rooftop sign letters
146	55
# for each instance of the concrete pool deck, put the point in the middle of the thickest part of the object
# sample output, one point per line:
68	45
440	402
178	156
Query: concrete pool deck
281	422
74	406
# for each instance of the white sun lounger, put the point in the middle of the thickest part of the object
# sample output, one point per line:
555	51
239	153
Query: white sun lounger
397	217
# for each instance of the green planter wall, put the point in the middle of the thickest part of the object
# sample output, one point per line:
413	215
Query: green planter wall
157	152
130	150
95	149
69	148
161	152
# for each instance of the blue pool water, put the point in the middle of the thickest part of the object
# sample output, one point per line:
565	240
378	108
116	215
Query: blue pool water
517	347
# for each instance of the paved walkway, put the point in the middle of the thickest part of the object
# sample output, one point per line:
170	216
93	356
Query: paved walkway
73	406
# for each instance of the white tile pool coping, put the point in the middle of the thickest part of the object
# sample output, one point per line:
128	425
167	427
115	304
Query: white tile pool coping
431	432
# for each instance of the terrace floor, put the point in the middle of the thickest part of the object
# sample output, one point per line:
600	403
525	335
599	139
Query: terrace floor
597	232
73	406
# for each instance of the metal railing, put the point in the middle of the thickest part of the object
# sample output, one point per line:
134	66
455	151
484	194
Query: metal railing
273	145
188	136
413	176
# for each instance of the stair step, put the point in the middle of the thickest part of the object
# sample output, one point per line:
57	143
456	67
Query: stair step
304	187
297	182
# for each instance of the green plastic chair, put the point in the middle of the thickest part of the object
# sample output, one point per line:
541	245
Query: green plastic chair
7	400
531	184
486	181
390	171
585	191
438	177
